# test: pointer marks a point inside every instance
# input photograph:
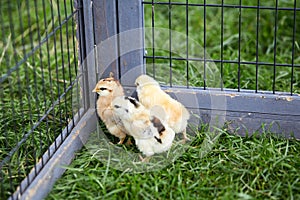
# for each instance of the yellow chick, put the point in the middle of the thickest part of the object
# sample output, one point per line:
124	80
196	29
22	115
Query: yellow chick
150	134
153	97
108	89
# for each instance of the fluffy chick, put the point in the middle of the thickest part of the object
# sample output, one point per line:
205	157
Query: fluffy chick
108	89
150	134
152	96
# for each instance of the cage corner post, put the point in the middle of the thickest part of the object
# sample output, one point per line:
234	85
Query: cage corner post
131	41
118	34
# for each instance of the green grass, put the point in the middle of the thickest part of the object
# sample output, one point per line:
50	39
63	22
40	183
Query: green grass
257	167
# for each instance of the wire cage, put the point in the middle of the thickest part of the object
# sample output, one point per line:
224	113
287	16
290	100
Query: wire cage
53	53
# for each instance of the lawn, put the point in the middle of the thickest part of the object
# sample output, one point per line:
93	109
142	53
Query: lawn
257	167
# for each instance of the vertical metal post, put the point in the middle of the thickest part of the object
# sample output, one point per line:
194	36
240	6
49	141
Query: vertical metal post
87	58
105	28
118	30
131	47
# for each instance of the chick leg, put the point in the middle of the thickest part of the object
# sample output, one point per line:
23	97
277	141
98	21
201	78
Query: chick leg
129	142
121	140
146	159
185	137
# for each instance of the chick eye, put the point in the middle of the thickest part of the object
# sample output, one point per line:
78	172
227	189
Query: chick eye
116	106
137	84
102	88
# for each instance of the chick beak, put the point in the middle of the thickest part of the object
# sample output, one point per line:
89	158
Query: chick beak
95	90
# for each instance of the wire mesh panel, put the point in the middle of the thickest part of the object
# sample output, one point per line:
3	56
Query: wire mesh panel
39	87
254	44
247	50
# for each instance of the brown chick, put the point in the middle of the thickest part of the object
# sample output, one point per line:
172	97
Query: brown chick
108	89
153	97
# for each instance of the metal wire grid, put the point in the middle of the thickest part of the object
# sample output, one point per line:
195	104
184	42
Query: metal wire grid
39	92
259	7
